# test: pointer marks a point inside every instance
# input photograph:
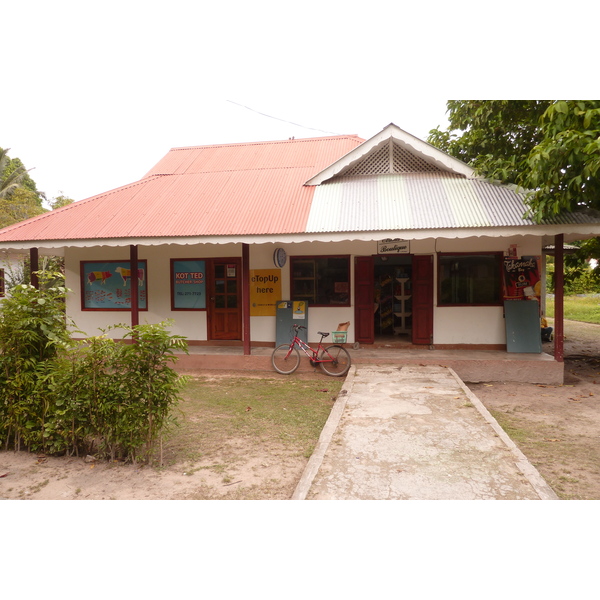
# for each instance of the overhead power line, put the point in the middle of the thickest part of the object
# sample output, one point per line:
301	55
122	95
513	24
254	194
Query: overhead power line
282	120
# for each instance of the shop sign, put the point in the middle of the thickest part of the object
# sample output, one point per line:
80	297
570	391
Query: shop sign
265	290
393	247
189	284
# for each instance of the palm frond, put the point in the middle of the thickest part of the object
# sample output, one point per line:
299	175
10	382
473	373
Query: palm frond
11	181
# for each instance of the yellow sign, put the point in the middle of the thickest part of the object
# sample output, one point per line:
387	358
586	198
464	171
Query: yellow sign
299	310
265	290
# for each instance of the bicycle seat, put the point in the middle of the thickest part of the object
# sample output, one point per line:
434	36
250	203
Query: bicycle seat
323	333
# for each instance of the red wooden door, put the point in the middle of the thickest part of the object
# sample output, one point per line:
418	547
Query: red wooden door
422	299
364	298
225	310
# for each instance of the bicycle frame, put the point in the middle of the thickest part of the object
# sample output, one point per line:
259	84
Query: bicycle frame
334	360
313	356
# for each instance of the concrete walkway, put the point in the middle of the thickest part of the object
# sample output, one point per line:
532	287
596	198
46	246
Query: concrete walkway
415	432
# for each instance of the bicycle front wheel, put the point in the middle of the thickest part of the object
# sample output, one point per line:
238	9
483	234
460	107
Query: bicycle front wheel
285	359
336	361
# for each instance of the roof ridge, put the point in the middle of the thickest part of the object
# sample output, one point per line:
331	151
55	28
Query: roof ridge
227	171
331	137
422	174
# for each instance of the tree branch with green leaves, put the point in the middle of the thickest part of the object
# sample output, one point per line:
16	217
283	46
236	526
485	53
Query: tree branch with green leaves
550	148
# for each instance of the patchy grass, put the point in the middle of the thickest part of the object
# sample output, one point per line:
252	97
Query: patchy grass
516	433
241	436
34	489
221	415
248	437
578	308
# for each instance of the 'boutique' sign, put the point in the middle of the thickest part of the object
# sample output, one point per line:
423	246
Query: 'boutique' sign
393	247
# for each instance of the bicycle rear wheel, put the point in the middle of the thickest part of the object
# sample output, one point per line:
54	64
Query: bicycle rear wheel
336	361
285	361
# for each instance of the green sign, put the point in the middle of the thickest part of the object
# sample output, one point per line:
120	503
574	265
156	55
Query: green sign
189	284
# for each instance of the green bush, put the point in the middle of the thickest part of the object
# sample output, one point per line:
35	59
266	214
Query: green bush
579	277
125	391
33	331
58	396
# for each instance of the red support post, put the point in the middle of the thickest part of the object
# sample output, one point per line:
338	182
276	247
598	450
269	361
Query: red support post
559	305
246	298
34	265
133	265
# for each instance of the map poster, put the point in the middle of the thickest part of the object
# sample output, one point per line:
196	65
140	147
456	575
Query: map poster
107	285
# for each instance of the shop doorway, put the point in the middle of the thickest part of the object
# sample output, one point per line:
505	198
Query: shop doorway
394	299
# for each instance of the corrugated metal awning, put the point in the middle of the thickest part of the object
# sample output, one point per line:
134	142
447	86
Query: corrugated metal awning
422	201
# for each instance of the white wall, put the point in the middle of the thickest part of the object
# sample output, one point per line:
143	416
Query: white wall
324	318
11	263
469	325
476	324
452	325
191	324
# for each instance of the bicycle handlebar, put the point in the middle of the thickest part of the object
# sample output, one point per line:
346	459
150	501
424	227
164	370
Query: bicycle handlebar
296	327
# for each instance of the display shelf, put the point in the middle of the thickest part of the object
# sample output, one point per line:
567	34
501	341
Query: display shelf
393	301
384	297
402	310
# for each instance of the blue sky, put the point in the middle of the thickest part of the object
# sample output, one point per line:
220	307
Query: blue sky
95	94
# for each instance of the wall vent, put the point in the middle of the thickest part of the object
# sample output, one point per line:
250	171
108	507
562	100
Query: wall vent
390	158
405	162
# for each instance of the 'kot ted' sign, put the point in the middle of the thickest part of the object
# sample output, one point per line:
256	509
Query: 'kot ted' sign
189	284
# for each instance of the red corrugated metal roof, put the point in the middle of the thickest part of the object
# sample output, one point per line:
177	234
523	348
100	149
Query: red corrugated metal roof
234	189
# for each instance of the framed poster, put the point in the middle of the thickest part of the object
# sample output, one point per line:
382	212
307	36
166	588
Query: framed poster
107	285
522	278
188	284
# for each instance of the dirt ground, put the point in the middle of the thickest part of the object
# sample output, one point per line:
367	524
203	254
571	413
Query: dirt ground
245	469
269	474
557	428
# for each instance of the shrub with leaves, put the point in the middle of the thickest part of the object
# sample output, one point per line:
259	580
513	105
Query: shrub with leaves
126	391
33	330
152	386
98	395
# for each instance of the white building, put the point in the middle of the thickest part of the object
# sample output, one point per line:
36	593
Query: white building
391	234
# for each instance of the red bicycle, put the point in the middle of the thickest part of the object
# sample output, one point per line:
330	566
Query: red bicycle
333	360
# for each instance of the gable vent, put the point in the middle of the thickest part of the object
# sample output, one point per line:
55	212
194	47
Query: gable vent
390	158
374	164
405	162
